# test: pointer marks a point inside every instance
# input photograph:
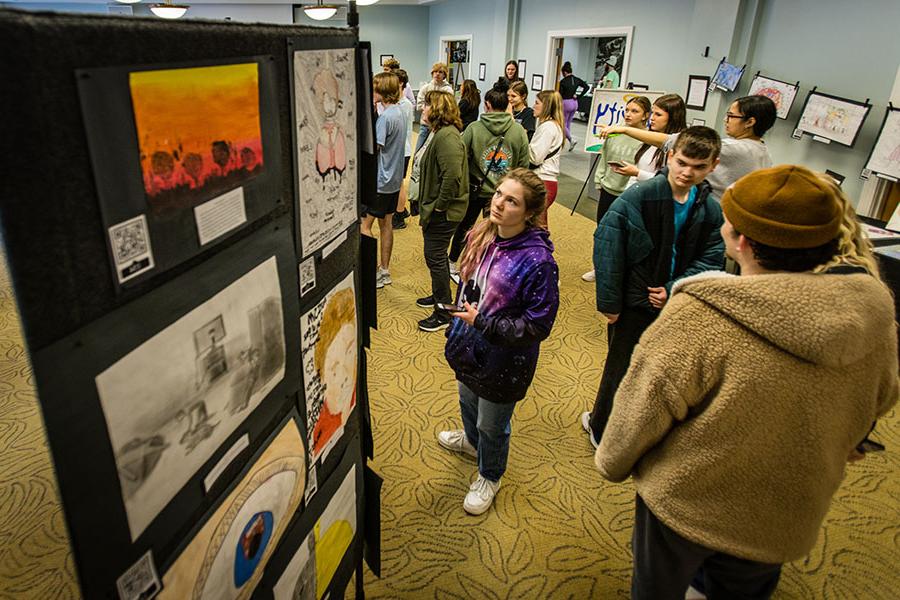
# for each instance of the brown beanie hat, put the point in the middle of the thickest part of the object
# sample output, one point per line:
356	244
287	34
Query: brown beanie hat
784	207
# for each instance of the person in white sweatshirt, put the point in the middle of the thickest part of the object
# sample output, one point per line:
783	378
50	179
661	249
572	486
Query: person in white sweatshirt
438	83
543	150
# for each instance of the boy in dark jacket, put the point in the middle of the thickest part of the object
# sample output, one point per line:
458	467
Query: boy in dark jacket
655	233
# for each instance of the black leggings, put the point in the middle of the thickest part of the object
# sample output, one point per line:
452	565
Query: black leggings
459	238
605	201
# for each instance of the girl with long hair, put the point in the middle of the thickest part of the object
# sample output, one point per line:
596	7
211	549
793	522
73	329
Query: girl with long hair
510	74
610	179
505	309
443	199
469	101
569	87
517	94
546	144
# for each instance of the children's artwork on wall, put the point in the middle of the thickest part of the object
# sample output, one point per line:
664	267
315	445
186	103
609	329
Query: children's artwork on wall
727	76
225	560
885	157
183	155
781	93
329	353
608	108
310	571
325	122
171	402
198	131
832	119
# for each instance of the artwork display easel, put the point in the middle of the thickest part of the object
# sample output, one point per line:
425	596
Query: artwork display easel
195	310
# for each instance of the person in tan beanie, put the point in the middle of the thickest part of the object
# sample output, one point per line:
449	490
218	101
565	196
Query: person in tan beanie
748	395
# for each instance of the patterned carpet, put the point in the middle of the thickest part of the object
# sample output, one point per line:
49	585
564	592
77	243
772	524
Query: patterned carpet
556	531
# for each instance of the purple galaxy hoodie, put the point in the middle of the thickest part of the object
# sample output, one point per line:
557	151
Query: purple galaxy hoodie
519	283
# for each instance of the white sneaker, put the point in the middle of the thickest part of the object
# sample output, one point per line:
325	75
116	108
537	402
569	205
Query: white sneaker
456	441
572	144
481	496
454	273
590	276
382	278
586	423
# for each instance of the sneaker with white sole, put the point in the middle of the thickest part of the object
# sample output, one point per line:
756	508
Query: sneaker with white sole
435	322
454	273
456	441
572	143
385	276
481	496
425	302
586	423
589	276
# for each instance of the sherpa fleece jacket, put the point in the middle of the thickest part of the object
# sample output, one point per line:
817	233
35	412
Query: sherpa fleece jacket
743	401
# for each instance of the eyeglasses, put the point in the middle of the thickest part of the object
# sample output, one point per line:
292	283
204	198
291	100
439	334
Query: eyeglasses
734	116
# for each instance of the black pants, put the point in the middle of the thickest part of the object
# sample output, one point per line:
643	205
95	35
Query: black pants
622	336
437	234
459	238
665	563
603	203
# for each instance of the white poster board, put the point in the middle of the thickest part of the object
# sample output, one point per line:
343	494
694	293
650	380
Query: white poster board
608	108
885	157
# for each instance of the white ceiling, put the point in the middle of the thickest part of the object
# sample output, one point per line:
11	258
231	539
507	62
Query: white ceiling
338	2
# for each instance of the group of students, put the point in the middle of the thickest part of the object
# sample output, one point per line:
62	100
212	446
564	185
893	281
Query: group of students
731	371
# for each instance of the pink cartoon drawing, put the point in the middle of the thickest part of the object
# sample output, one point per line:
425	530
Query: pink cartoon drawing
331	147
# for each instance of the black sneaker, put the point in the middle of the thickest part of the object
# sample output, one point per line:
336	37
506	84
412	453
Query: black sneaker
426	302
398	221
404	214
435	322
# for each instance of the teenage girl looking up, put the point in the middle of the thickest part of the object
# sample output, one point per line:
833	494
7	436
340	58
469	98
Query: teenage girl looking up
543	151
570	88
508	305
518	106
743	150
469	101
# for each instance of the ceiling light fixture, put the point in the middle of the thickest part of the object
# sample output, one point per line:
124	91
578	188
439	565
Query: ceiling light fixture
128	1
319	11
169	10
366	2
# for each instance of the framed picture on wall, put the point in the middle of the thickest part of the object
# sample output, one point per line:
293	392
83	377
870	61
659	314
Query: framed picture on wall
698	89
384	58
727	76
521	65
832	119
884	160
781	93
482	71
537	82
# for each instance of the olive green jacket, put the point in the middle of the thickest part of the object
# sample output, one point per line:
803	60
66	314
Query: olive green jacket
444	177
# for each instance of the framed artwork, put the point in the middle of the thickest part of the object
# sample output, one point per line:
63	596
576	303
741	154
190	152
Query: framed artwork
697	92
522	64
329	352
537	82
727	76
324	108
184	155
171	402
227	556
608	108
884	160
832	119
781	93
482	71
384	58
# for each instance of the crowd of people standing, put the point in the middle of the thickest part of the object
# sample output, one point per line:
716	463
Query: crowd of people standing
743	359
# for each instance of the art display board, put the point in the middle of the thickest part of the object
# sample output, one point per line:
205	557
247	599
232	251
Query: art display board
781	93
317	554
832	119
226	558
180	418
324	112
727	76
608	108
184	155
160	392
884	159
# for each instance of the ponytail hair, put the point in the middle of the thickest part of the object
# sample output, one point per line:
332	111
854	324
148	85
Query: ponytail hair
485	232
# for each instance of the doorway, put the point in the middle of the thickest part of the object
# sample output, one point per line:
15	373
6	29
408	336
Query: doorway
456	52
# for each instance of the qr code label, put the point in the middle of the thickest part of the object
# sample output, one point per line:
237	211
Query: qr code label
140	581
130	245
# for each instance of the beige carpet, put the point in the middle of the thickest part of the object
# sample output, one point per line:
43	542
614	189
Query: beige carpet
557	530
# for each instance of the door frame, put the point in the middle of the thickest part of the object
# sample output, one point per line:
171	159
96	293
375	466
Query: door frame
551	63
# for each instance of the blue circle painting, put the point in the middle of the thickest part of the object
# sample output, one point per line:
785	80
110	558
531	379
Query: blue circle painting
251	546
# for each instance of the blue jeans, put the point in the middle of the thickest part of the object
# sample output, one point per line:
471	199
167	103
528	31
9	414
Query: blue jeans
423	135
487	426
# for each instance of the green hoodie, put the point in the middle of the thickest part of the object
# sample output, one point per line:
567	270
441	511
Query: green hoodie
481	139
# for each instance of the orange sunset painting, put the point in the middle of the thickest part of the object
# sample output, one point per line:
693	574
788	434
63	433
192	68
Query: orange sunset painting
198	132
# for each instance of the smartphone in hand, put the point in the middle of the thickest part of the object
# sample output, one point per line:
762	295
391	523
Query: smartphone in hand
617	163
450	308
